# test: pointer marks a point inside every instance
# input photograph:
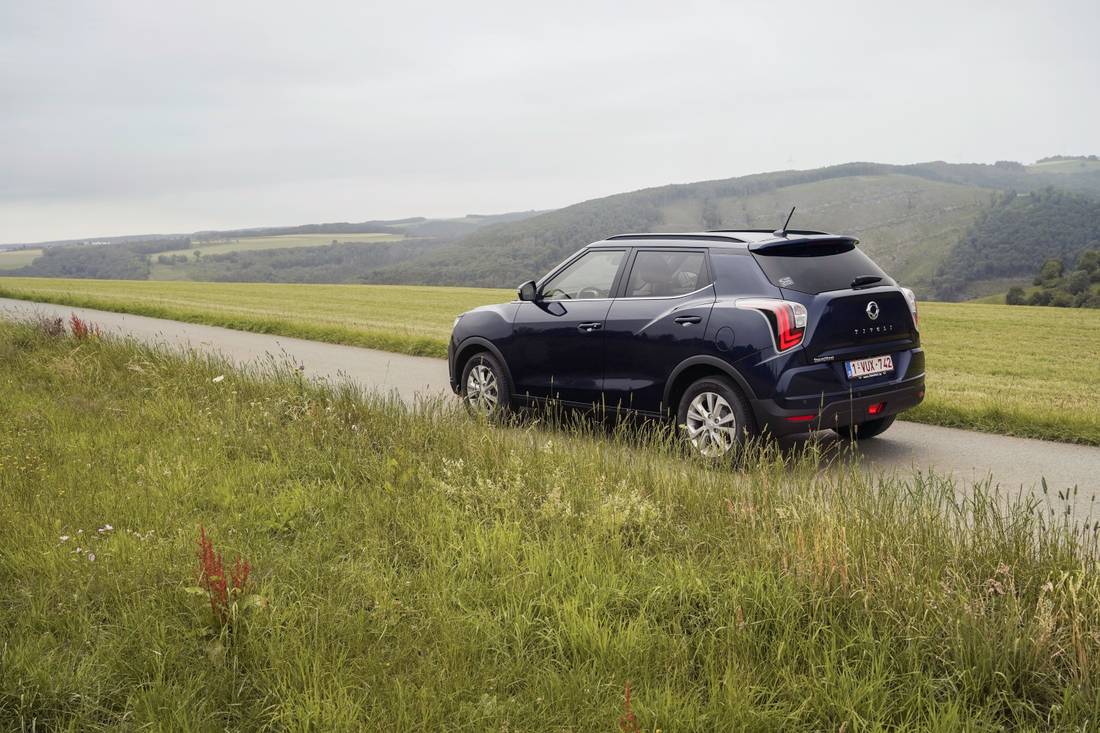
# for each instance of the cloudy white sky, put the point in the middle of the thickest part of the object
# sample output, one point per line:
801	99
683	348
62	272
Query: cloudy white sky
129	116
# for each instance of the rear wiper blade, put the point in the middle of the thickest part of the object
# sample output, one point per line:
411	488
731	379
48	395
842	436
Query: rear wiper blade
862	280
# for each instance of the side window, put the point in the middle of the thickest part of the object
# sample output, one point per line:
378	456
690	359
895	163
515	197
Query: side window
666	274
738	274
589	277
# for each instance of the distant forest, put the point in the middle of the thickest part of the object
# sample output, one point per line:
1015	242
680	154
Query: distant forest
129	261
1018	234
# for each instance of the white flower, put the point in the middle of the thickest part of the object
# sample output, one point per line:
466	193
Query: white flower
91	557
105	528
219	378
64	538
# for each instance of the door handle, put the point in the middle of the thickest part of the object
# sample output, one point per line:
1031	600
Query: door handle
688	320
590	326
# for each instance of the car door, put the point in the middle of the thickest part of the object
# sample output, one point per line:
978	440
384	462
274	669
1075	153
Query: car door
557	348
658	320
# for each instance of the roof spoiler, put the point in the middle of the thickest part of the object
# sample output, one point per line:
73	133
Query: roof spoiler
802	243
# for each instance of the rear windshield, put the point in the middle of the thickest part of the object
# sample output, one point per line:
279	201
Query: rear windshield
819	268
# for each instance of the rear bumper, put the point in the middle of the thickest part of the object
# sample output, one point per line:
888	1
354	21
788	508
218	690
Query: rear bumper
835	412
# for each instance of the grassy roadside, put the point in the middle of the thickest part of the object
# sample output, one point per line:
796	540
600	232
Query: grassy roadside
415	571
404	319
1013	370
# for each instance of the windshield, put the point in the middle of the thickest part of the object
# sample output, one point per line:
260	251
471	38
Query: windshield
820	268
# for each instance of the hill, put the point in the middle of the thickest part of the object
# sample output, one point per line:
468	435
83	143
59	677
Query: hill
246	254
908	217
1014	237
934	226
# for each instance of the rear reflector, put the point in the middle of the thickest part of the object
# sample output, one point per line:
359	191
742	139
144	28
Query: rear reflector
876	408
800	418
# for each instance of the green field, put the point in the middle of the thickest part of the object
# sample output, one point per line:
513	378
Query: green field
1065	166
285	241
1017	370
175	272
425	571
16	258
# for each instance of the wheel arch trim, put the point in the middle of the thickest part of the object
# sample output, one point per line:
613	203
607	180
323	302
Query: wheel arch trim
479	343
710	361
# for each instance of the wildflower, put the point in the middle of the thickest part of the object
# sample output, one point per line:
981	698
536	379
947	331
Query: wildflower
91	557
218	379
105	528
64	538
212	578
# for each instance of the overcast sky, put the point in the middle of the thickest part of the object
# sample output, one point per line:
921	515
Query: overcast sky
134	116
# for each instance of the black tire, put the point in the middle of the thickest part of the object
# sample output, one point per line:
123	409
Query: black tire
715	440
493	400
866	430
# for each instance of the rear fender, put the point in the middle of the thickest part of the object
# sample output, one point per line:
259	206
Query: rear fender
719	365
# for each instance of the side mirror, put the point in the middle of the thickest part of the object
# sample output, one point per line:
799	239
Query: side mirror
527	291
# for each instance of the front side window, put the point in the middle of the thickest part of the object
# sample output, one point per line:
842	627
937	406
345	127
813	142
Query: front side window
666	274
589	277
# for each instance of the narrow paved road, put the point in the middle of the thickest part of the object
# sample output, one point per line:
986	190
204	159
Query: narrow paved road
1014	463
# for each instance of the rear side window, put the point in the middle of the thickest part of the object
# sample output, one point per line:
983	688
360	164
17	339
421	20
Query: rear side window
666	274
817	268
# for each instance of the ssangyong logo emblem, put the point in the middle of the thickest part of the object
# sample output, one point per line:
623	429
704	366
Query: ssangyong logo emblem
872	310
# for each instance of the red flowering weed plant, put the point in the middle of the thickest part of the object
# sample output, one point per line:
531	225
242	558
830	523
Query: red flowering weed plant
227	592
82	329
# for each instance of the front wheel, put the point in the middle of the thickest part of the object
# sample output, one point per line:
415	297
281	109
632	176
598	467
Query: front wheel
715	417
485	388
865	430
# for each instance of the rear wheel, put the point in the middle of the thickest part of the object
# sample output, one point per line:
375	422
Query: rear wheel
485	387
715	417
865	430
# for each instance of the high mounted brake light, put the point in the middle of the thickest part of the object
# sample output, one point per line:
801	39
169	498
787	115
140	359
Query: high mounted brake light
787	319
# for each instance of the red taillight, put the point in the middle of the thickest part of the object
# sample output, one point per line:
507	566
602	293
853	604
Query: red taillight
911	299
876	408
788	319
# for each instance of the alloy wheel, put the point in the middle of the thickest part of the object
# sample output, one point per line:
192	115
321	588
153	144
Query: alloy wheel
711	424
482	389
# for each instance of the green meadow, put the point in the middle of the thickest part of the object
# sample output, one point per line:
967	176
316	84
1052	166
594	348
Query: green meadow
1016	370
421	570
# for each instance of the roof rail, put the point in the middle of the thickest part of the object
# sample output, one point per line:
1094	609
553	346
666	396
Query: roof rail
768	231
704	237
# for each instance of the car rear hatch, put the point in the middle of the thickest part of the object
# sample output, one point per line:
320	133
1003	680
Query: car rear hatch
854	309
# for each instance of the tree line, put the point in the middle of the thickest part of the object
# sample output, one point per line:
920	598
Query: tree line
129	261
1062	287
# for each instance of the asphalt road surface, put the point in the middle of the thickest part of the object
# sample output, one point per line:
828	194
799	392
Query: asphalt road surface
1014	463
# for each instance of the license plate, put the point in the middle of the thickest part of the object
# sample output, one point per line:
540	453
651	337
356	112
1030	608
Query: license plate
863	368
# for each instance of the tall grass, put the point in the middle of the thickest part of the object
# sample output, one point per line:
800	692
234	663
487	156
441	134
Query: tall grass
421	570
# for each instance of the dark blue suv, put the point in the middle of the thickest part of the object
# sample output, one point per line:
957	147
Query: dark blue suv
733	333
